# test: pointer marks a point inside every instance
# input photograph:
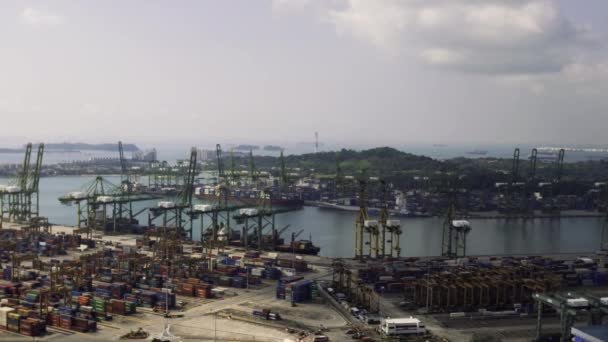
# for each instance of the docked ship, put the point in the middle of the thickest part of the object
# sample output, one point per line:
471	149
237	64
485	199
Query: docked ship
299	247
234	238
247	196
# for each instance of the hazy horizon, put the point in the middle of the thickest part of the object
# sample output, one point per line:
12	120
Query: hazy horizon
360	72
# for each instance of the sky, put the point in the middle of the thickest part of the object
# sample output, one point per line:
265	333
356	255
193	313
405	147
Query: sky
263	71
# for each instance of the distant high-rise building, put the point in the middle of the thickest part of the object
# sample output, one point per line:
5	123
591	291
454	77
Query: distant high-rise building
146	156
206	155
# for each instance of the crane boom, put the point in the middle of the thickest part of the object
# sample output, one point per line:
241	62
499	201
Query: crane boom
189	181
26	167
220	162
37	169
123	162
515	170
560	165
284	179
252	174
533	159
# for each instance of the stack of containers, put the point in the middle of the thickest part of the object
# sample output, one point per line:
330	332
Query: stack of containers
7	273
31	297
300	291
4	311
130	308
186	289
55	319
147	298
131	298
80	325
203	290
99	304
280	290
32	327
163	299
239	282
12	321
118	290
118	307
225	281
84	300
65	322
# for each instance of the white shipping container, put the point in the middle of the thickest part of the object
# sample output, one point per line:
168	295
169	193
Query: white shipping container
370	223
12	189
393	223
105	199
77	195
4	311
460	223
203	207
248	212
166	204
578	302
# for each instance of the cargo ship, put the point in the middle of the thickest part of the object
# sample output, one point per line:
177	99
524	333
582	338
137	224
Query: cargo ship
299	247
234	238
247	196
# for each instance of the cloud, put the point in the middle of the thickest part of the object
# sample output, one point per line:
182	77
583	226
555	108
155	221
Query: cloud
478	36
33	16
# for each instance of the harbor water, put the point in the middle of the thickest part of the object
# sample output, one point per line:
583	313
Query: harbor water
333	231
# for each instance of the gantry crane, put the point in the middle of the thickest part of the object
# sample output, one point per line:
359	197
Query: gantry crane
34	188
218	211
454	237
530	183
569	305
97	200
13	198
172	212
392	226
253	176
339	180
256	220
363	223
555	184
16	260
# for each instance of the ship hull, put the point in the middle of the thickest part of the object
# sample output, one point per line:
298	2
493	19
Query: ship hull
248	200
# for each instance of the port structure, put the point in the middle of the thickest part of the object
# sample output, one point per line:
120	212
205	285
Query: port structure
551	189
370	234
218	212
19	201
106	207
367	230
176	213
530	184
393	227
455	232
569	306
163	177
256	220
512	189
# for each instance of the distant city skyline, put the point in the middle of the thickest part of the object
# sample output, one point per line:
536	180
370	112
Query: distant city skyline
360	72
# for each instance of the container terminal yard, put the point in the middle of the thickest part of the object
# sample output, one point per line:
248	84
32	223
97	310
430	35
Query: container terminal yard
119	274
